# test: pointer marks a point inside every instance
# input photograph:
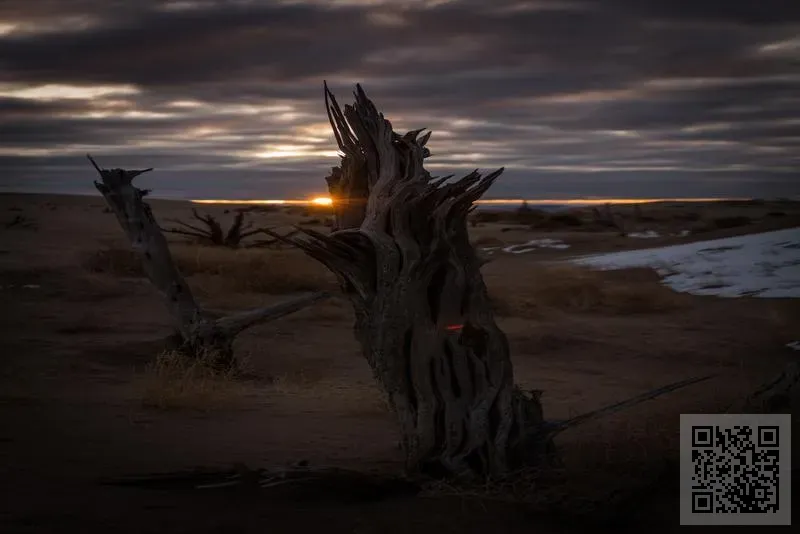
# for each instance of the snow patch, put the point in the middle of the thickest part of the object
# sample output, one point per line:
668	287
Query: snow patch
649	234
759	265
535	244
794	345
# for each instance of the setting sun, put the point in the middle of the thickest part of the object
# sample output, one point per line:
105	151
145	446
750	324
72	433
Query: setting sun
322	201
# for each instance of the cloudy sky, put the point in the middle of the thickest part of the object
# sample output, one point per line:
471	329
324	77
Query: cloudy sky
576	98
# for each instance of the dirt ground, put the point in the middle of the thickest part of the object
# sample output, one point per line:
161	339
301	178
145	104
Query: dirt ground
78	402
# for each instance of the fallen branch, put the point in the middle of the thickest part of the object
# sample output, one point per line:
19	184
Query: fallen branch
200	333
556	427
326	482
779	395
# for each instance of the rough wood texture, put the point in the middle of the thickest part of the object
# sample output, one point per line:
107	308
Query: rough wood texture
200	333
401	251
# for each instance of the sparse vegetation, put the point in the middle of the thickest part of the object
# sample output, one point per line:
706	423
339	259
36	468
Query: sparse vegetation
573	289
175	381
243	270
22	222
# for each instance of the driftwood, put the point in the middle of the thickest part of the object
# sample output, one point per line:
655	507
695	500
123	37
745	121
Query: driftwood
200	333
212	232
400	249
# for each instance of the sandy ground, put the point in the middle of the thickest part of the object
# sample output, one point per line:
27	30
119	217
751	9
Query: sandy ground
76	344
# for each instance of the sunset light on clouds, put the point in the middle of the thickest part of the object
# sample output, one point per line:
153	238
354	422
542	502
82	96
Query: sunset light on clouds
579	98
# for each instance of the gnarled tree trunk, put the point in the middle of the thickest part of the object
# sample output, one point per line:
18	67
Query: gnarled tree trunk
198	333
401	251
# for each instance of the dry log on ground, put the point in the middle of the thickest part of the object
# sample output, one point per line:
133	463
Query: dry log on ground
200	333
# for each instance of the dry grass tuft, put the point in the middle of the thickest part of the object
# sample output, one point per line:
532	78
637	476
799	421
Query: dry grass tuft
223	269
175	381
566	288
256	271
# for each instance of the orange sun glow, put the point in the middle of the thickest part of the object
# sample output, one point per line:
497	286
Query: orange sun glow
322	201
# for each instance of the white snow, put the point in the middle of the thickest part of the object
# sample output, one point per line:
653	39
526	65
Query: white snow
535	244
644	235
760	265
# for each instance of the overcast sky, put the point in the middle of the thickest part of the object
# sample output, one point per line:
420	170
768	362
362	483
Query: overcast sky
576	98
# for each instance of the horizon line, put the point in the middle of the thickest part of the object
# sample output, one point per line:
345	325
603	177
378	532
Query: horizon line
573	201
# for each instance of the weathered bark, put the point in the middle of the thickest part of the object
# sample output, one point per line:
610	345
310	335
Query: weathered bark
200	333
401	251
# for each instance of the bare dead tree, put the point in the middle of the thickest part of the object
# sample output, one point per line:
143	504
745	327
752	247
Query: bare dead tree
200	332
401	252
608	218
213	233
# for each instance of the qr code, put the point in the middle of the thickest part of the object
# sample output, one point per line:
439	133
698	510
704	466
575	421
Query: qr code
735	469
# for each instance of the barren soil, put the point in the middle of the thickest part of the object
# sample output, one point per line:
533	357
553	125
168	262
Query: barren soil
78	333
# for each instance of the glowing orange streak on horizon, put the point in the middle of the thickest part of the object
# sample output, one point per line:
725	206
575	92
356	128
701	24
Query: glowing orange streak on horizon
327	201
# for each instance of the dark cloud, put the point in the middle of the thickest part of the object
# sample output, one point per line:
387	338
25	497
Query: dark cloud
574	97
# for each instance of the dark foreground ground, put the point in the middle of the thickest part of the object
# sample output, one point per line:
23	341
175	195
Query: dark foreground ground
80	400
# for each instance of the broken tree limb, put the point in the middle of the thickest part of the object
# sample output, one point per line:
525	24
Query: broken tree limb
200	332
781	394
555	427
275	242
233	324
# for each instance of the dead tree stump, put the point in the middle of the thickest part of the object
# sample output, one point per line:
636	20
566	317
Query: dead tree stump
199	333
401	251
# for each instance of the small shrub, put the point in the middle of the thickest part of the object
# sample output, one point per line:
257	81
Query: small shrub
175	381
526	215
